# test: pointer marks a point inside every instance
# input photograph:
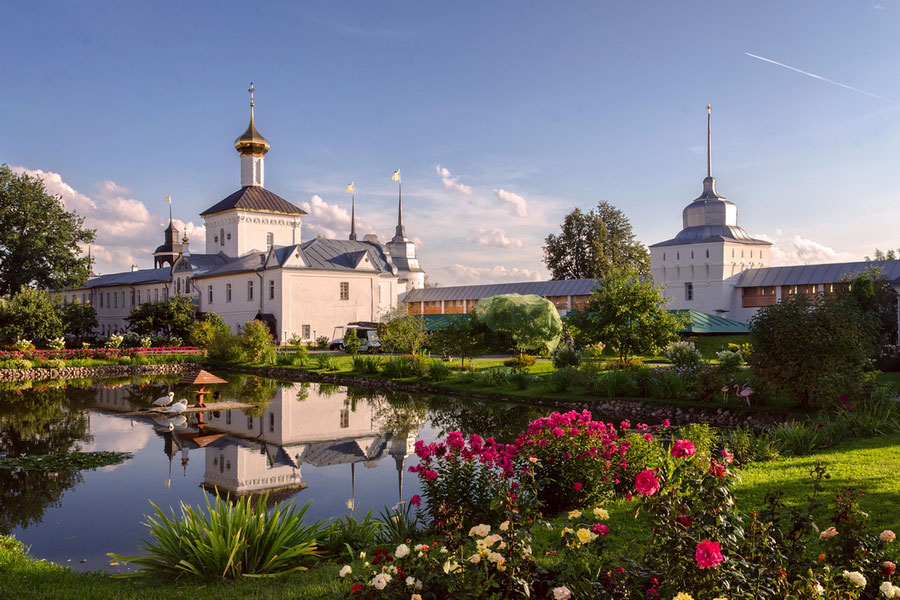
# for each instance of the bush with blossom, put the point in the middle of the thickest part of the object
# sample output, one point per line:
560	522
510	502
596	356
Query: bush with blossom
488	563
575	460
467	481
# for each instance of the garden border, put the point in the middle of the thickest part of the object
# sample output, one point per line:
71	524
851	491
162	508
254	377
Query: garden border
96	371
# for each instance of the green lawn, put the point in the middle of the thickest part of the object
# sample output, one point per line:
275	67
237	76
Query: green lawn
871	464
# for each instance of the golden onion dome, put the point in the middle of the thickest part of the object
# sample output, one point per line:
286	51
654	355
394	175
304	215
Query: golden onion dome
251	141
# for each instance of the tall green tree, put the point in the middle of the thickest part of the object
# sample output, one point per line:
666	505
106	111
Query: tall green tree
39	239
627	312
593	242
30	314
174	318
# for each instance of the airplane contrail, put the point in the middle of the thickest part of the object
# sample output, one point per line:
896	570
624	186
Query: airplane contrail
820	78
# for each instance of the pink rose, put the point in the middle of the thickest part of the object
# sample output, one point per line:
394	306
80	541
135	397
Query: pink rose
600	529
683	448
416	500
708	554
577	485
646	483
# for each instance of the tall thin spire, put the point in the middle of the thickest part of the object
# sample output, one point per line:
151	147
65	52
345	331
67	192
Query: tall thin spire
251	90
709	183
400	233
709	140
353	217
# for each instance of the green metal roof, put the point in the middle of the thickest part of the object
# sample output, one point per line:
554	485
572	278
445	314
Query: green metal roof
698	322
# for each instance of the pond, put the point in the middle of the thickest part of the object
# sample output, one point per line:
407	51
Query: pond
344	450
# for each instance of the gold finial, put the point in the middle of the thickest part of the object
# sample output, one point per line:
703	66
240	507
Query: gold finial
251	90
708	106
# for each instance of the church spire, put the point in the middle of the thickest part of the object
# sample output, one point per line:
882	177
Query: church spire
400	232
709	183
351	189
252	147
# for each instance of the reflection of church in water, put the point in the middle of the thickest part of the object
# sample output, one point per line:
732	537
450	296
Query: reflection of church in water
265	452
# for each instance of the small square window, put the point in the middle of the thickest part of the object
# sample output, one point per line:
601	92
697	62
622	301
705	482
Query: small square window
306	330
345	290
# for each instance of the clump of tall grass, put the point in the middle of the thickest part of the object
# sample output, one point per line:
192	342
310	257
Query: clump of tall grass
438	370
228	541
326	362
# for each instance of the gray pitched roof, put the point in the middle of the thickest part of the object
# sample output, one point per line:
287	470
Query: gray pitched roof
711	233
561	287
254	197
343	255
814	274
322	254
141	276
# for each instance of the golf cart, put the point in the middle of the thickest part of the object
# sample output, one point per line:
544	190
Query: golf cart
365	332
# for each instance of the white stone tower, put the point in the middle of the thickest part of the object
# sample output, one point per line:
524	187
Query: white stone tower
698	267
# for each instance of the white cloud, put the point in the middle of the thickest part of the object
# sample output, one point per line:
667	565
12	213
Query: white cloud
127	232
801	251
330	220
452	183
462	274
495	238
514	202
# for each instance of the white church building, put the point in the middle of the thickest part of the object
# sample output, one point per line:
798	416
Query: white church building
256	265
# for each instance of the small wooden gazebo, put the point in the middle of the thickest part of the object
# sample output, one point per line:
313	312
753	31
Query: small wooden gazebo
201	379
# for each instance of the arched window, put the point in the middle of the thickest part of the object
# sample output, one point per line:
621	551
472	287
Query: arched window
707	253
221	237
250	290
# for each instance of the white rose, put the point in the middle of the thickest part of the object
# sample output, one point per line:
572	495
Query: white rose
410	581
856	577
887	589
504	526
495	557
475	559
480	530
562	593
401	551
345	570
380	581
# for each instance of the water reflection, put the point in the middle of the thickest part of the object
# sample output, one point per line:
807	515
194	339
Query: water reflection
342	449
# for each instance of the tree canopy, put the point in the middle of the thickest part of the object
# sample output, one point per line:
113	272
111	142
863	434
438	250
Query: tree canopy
79	319
39	239
29	313
460	335
400	331
531	321
627	312
174	318
812	348
593	242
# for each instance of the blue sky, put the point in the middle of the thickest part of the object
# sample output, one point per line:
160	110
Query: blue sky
531	108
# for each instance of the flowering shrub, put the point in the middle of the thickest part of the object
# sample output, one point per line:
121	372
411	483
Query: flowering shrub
466	481
58	343
486	564
576	461
684	356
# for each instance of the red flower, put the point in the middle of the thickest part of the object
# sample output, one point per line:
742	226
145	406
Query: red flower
416	500
683	448
356	588
708	554
646	483
600	529
718	470
577	485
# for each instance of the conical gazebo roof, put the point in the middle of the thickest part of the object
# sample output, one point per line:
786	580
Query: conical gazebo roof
201	377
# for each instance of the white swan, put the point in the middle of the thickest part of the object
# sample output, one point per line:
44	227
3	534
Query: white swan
165	400
177	408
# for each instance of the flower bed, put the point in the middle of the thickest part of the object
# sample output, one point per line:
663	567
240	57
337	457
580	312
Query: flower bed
93	353
696	543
